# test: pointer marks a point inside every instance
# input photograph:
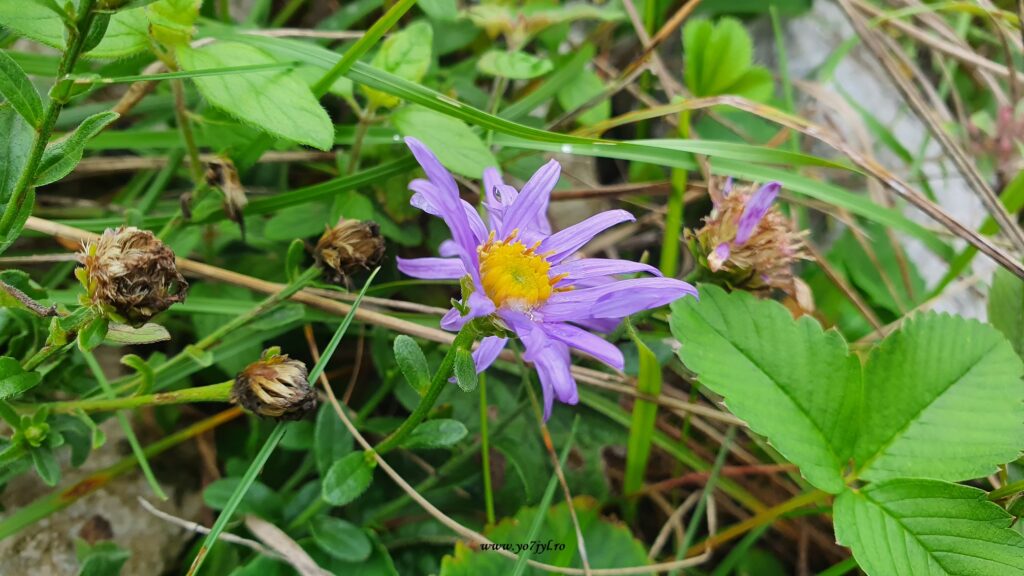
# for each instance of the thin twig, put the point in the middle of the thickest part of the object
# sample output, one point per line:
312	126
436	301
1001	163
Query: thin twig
29	303
200	529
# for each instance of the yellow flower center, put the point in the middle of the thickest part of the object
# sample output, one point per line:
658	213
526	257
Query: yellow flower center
516	275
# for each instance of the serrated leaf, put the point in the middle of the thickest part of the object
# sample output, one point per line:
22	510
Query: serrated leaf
909	527
18	90
14	380
718	60
514	65
126	34
437	433
788	379
278	102
171	21
456	145
465	370
405	54
347	479
412	363
61	156
1006	307
342	540
146	334
34	21
331	440
943	399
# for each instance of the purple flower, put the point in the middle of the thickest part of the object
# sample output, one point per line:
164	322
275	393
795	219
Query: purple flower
757	206
521	273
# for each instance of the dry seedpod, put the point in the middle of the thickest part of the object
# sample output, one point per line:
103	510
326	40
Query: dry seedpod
130	275
275	386
349	246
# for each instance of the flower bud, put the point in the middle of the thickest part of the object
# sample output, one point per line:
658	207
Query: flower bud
275	386
350	245
748	241
131	275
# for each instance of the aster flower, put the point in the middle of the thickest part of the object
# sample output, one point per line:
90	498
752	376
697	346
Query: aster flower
519	276
749	241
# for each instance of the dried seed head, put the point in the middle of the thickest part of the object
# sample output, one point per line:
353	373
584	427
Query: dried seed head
222	174
275	386
349	246
131	275
747	240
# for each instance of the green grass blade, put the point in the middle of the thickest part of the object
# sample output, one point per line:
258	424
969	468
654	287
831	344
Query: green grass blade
645	414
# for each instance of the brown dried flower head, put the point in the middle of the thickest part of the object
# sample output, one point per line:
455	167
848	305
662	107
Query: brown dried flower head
130	275
749	241
275	386
349	246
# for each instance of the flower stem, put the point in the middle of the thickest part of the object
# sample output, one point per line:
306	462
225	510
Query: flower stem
213	393
464	339
59	95
125	425
674	216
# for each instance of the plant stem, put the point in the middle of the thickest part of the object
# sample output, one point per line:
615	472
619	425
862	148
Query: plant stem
195	164
140	455
1007	490
485	452
213	393
674	216
61	499
464	339
59	94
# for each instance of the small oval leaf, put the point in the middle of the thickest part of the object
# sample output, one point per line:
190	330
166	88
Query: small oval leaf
347	479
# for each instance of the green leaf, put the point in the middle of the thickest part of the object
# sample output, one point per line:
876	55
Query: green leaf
46	465
412	363
1006	307
258	499
347	479
585	86
331	440
942	399
278	102
14	149
34	21
514	65
342	540
438	433
788	379
61	156
718	60
18	90
446	10
144	370
92	334
456	145
906	526
609	544
465	370
126	34
405	54
644	417
146	334
171	21
103	559
14	380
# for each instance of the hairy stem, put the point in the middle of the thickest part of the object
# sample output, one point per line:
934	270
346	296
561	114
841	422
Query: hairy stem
213	393
463	340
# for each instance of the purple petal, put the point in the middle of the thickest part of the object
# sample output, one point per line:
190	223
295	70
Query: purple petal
718	256
444	196
530	207
487	352
727	188
568	241
757	206
588	343
425	190
603	325
615	300
642	294
550	358
591	267
479	305
499	196
448	249
432	268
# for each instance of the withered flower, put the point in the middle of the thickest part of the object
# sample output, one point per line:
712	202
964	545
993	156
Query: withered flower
349	246
130	275
747	240
275	386
222	175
